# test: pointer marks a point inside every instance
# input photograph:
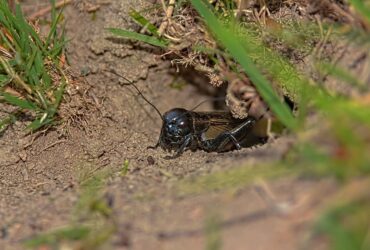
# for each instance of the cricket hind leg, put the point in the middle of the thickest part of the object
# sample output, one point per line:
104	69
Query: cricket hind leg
230	140
258	135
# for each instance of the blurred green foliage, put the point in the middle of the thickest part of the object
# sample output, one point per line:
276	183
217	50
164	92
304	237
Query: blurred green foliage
92	224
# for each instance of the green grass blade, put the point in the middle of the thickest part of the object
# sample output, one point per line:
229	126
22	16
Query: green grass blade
234	178
53	11
362	8
4	80
38	64
341	74
24	27
139	37
236	49
53	29
6	41
5	122
137	17
25	41
346	225
38	123
8	21
72	233
16	101
31	59
58	48
59	94
32	77
46	80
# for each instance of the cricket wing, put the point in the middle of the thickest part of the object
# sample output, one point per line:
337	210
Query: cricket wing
218	123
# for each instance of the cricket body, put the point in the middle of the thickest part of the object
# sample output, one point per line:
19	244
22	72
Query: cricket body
210	131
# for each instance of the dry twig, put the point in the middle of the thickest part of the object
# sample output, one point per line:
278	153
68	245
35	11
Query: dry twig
46	10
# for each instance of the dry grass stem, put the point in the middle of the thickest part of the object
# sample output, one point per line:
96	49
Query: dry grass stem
46	10
169	13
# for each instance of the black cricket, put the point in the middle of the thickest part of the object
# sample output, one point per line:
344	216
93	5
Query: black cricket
210	131
215	131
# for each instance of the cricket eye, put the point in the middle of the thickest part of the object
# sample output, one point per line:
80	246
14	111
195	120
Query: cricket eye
182	124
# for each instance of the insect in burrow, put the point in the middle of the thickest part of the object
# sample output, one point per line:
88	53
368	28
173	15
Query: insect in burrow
210	131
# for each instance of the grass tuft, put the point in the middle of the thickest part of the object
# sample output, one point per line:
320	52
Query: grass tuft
31	67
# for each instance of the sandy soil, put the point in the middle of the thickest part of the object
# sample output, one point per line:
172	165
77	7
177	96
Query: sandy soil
40	175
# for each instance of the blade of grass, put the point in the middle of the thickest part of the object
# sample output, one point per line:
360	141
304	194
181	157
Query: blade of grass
7	121
25	27
341	74
213	232
58	48
6	41
234	178
16	79
8	20
58	94
139	37
71	233
53	29
16	101
38	123
136	16
4	80
361	7
346	225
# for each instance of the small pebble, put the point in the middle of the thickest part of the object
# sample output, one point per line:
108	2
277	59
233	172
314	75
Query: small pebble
23	155
150	160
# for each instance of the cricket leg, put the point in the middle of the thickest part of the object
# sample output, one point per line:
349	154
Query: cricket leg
182	148
155	146
158	142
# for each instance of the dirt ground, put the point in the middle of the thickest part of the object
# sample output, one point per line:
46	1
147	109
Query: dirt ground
40	174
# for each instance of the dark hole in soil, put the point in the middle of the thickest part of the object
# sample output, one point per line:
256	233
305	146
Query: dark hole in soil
201	82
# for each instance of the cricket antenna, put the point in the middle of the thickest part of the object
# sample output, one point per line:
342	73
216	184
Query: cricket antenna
207	100
137	89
